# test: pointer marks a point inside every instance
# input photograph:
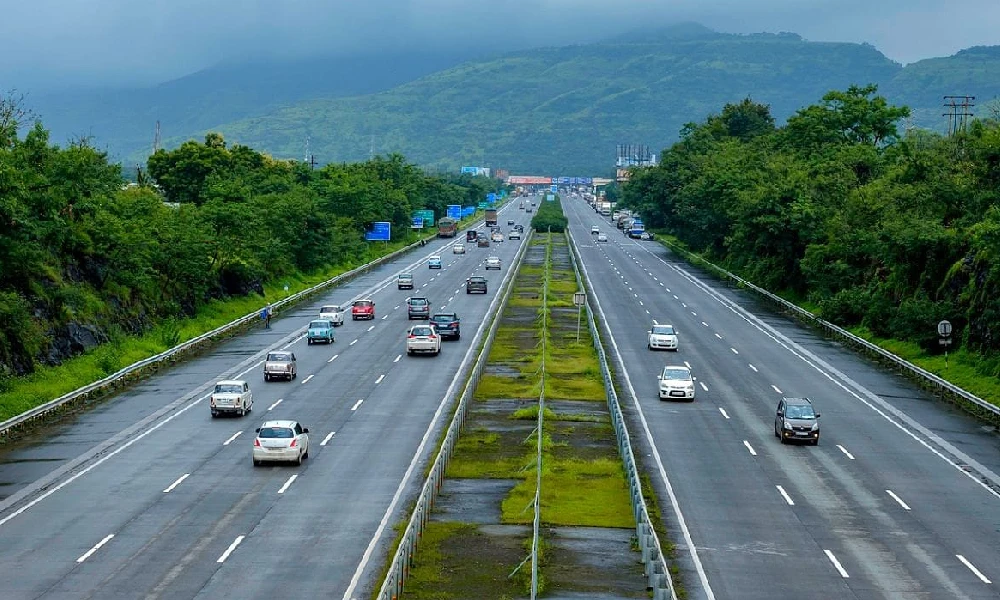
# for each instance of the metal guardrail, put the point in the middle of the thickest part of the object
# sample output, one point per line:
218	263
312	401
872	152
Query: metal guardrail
974	404
402	560
126	375
657	574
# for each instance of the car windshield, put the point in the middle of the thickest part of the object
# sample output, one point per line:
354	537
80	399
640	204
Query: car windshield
421	331
275	432
477	280
319	325
663	330
279	357
363	303
799	411
676	374
228	388
329	309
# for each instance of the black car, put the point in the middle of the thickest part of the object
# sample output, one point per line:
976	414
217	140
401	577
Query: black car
475	284
448	325
510	221
418	308
796	421
471	235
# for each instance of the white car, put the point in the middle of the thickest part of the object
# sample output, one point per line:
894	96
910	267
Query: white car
493	262
514	235
423	338
332	313
231	396
602	237
458	249
662	337
676	382
281	441
595	230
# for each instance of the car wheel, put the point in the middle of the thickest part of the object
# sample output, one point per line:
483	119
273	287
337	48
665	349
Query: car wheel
256	462
306	455
309	342
242	411
298	460
267	377
249	408
776	434
649	346
214	414
409	352
294	375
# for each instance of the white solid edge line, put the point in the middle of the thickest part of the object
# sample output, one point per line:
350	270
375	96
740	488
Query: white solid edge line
288	483
681	522
230	549
898	499
96	547
846	453
750	448
328	437
230	439
784	494
973	568
173	485
836	564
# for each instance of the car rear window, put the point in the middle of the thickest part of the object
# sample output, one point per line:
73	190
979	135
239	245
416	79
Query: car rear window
363	303
421	331
329	309
278	356
319	324
275	432
229	389
418	301
406	276
444	318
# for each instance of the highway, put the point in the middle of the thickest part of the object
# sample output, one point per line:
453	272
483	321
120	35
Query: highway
899	499
147	496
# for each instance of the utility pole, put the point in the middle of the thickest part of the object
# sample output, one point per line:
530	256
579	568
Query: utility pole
312	161
958	113
156	138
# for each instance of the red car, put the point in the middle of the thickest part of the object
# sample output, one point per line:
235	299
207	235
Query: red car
363	309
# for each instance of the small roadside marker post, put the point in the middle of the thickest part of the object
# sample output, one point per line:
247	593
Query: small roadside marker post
579	298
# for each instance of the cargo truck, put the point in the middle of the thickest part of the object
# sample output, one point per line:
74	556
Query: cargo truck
447	227
491	217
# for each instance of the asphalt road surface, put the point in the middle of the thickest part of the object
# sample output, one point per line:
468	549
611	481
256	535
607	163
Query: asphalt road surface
899	499
147	496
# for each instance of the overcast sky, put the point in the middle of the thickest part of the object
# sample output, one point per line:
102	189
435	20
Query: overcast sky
127	42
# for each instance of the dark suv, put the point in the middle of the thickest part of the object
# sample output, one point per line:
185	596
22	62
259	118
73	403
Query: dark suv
418	308
448	325
475	284
471	235
796	421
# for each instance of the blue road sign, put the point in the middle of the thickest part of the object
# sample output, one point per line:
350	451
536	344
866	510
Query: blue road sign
380	232
455	211
554	188
468	211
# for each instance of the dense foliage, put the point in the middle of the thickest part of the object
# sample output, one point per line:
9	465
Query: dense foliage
83	256
835	207
549	217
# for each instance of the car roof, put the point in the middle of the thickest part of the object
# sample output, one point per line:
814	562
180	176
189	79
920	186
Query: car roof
284	423
230	382
363	300
331	307
433	256
421	325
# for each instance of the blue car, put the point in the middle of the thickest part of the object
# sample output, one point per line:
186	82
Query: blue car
434	262
320	330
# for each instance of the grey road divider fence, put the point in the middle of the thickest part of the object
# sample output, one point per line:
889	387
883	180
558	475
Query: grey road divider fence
658	579
970	402
402	559
131	373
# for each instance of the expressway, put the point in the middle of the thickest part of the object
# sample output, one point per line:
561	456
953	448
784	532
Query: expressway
899	500
149	497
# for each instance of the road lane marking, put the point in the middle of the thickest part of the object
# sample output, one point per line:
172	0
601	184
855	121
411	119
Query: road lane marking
230	549
972	568
694	313
380	378
333	358
703	386
384	317
753	367
718	336
775	388
396	360
352	343
289	344
357	404
395	307
306	380
735	351
661	285
327	439
371	327
641	304
836	564
241	374
288	483
684	305
450	299
785	495
704	323
724	413
897	499
647	312
636	295
171	487
231	438
654	322
668	290
95	548
279	401
846	453
750	448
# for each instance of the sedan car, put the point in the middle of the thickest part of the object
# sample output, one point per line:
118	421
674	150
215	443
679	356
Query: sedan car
434	262
280	365
475	284
281	441
458	249
231	396
796	421
320	330
493	262
448	325
602	237
418	308
662	337
423	338
335	314
676	382
404	281
363	309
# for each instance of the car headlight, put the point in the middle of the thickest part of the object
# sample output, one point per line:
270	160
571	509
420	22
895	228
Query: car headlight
786	425
815	427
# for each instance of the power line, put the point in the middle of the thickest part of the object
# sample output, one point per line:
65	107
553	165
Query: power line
958	113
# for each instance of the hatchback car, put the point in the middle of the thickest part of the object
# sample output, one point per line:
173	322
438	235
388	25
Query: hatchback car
483	242
595	230
363	309
514	235
676	382
231	396
493	262
448	325
796	421
458	249
418	308
519	228
475	284
404	281
471	235
333	313
281	441
320	330
602	237
510	221
497	236
662	337
280	365
423	338
434	262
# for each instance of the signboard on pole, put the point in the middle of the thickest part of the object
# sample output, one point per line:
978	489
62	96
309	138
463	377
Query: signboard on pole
380	232
550	198
554	188
475	171
468	211
491	198
418	223
455	211
482	205
426	215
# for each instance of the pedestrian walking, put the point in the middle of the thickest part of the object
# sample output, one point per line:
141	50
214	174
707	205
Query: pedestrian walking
267	318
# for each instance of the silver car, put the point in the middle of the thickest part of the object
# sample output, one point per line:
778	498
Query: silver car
676	382
280	365
662	337
281	441
493	262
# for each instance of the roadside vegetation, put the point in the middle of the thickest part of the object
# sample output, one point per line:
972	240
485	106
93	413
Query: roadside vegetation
882	233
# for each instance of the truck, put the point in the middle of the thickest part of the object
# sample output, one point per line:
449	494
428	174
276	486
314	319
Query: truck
491	217
447	227
636	228
604	208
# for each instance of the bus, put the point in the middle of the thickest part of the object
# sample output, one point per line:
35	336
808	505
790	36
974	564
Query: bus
447	227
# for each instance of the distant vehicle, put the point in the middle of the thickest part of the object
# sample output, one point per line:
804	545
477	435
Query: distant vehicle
519	228
280	365
434	262
418	308
458	249
363	309
521	206
448	325
645	235
662	337
231	396
404	281
795	420
447	227
528	209
483	242
497	236
423	338
493	262
603	237
333	313
510	221
491	216
320	330
595	230
281	441
676	382
514	235
475	284
471	235
636	228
